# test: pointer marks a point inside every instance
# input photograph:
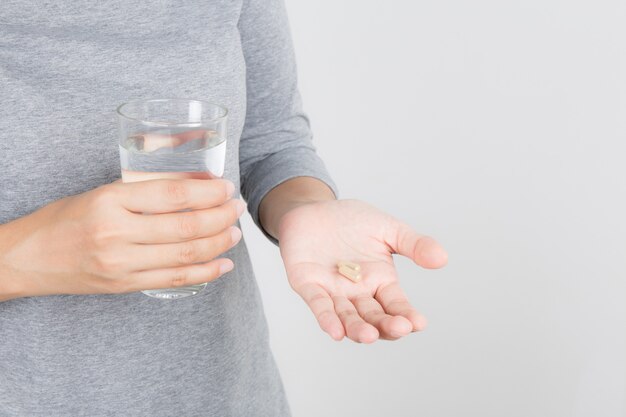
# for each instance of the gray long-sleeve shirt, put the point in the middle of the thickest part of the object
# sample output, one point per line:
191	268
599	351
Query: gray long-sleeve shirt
64	67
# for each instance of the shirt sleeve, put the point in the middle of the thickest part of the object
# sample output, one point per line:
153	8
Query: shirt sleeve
276	142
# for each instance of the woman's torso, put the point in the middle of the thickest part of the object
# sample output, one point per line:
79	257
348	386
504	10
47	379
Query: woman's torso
64	67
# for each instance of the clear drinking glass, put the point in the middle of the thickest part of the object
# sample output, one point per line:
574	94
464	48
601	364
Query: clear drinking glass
172	138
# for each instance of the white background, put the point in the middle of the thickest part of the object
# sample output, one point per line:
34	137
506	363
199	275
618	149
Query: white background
497	127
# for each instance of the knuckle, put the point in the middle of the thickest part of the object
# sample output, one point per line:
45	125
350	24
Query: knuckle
225	220
325	317
188	226
317	299
177	192
103	233
210	272
180	278
105	263
104	196
188	253
213	272
347	314
363	299
373	316
226	241
221	190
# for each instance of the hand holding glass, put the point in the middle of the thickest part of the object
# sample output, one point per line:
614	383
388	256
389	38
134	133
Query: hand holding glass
176	139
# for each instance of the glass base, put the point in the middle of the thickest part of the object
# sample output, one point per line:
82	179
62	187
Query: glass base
174	293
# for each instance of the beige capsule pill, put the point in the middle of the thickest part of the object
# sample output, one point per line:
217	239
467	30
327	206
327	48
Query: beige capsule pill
351	265
350	273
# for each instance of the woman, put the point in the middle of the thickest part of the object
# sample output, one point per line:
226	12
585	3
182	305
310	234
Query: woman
77	336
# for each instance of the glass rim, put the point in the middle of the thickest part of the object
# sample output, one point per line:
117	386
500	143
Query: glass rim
223	110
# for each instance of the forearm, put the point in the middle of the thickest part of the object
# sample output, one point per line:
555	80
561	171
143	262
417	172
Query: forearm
289	195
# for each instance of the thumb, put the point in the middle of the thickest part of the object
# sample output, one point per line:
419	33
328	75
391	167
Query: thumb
423	250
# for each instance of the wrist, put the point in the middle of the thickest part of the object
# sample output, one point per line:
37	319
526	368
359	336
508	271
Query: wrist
11	284
289	196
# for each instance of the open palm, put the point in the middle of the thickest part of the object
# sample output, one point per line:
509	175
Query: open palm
315	237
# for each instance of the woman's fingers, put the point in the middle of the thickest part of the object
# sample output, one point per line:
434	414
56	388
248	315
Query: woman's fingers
323	308
167	195
179	277
423	250
355	327
392	298
170	255
187	225
390	327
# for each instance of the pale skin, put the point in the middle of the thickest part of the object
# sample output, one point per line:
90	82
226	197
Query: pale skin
98	242
315	231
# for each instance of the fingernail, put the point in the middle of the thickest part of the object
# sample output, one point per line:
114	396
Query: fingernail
230	189
369	336
241	206
226	267
402	327
421	324
235	234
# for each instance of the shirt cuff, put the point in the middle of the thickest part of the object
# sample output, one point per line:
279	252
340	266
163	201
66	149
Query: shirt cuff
278	168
